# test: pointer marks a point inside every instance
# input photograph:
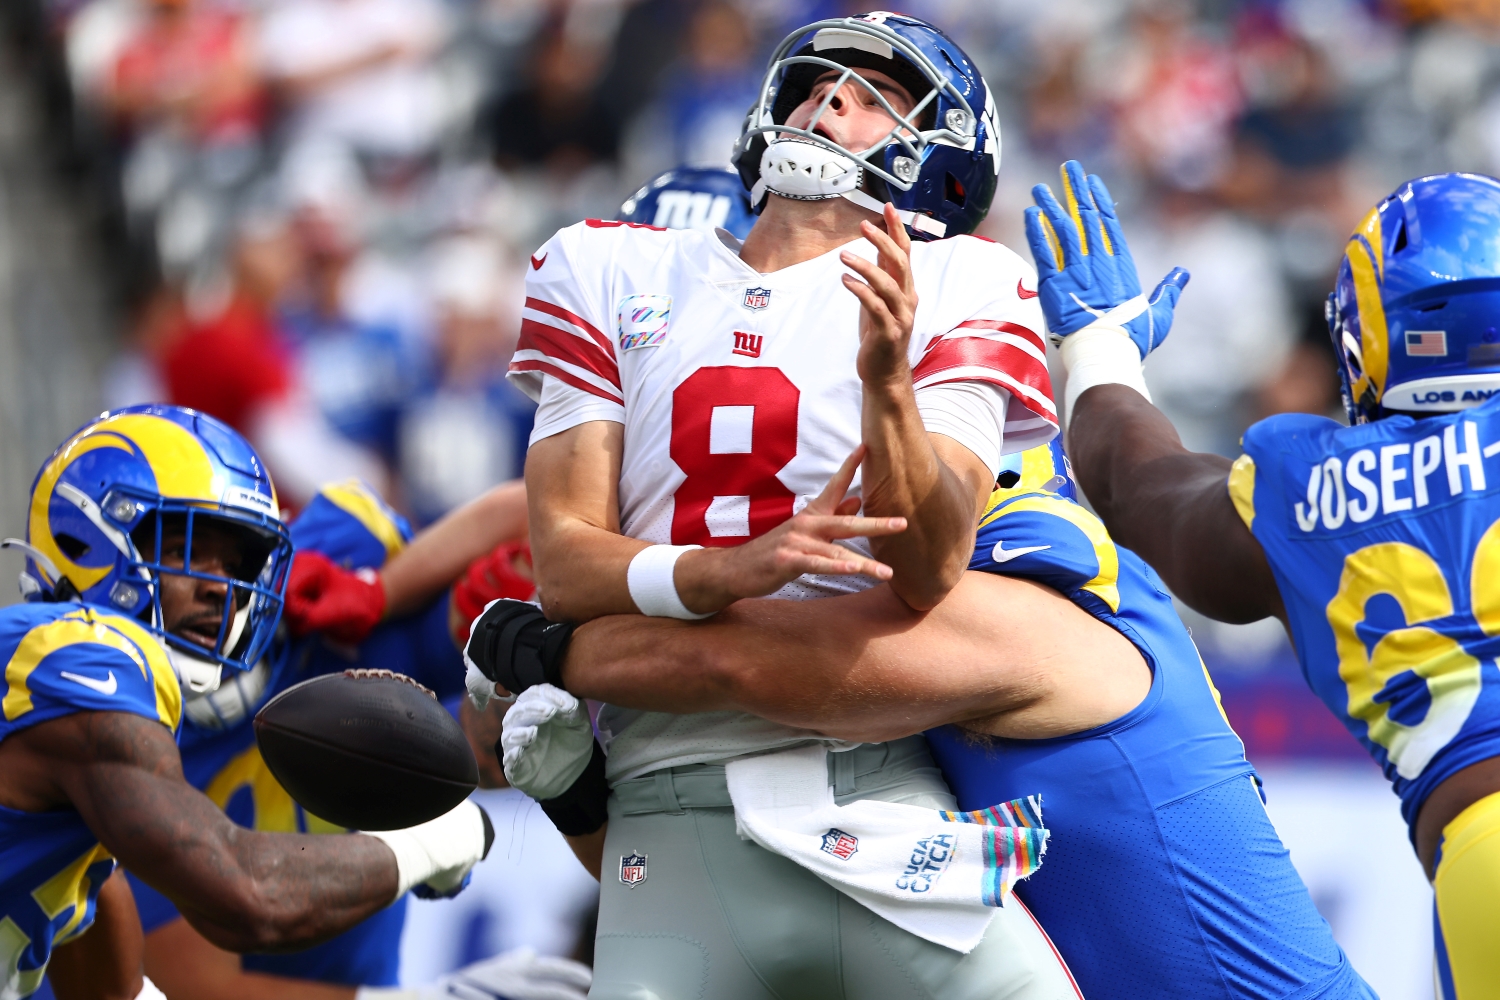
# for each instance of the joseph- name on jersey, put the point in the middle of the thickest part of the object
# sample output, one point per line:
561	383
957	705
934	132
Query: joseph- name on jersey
740	397
1163	876
61	659
350	524
1384	539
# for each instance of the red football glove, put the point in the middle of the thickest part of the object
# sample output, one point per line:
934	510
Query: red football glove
503	572
324	597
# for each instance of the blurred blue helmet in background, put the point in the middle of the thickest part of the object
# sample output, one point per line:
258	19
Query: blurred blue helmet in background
705	198
1415	314
938	164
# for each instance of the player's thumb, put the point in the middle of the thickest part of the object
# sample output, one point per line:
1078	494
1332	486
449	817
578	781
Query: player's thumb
1169	290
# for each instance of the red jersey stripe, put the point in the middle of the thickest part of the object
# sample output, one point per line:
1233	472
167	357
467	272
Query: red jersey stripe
1004	327
564	376
541	305
567	347
976	352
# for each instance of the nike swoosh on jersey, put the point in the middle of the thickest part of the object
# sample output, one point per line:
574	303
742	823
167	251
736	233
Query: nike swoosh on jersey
103	687
537	262
1003	555
1020	290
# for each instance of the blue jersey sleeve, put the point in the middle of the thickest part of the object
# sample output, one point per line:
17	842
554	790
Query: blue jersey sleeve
79	659
350	524
1052	540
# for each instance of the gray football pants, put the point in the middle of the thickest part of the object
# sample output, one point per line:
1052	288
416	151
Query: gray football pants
720	918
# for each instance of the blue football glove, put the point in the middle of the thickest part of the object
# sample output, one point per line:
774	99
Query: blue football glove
1084	268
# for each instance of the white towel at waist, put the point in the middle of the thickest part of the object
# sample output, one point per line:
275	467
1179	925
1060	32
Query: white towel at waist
933	873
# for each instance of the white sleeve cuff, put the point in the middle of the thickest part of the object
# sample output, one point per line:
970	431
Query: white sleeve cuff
971	413
563	407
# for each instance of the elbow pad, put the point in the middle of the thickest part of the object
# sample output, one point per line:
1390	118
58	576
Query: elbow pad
584	807
514	645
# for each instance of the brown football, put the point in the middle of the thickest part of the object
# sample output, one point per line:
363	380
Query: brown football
366	749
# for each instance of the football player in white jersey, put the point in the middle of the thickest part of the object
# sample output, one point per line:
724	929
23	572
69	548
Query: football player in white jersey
696	396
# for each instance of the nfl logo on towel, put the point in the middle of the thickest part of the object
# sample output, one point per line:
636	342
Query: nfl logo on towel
632	869
1427	343
757	298
644	320
840	844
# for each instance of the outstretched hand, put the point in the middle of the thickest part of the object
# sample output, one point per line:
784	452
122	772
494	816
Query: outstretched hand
1085	272
887	298
711	579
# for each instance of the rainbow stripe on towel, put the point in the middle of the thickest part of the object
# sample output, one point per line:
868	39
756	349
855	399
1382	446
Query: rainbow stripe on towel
1014	843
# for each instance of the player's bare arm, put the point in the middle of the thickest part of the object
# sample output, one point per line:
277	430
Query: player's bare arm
438	554
1000	656
105	962
1168	504
582	559
243	890
936	483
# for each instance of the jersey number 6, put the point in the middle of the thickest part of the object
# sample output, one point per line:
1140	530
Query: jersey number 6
1445	678
733	430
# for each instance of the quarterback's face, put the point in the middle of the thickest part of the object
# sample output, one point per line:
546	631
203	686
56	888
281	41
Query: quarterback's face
853	119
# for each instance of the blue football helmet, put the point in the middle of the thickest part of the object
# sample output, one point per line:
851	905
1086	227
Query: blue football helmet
705	198
938	164
104	502
1415	314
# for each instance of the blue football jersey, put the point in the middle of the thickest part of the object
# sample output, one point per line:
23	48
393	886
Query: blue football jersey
61	659
1384	539
352	526
1163	875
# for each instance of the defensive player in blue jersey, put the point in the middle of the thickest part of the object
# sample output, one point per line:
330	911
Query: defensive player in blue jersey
1376	544
156	562
1059	668
347	527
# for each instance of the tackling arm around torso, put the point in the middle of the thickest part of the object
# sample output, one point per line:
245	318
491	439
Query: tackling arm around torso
1000	656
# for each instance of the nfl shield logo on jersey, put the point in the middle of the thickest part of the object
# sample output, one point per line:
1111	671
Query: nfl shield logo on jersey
840	844
757	298
632	869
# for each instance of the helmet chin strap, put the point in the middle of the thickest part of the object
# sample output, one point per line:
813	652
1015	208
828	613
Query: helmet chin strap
198	676
802	170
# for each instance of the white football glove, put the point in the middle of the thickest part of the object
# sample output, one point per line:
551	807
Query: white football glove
516	975
547	741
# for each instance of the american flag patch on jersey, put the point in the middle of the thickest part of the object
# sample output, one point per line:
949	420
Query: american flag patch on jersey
1427	343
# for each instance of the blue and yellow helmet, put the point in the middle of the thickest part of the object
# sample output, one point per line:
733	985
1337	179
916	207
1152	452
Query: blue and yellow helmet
1415	314
102	503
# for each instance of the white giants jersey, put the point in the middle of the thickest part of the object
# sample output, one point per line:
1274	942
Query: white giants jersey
740	397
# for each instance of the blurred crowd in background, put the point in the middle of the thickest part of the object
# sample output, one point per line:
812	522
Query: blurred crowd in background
317	214
322	209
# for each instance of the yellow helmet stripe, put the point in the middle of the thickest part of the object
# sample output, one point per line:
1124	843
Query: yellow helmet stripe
1372	329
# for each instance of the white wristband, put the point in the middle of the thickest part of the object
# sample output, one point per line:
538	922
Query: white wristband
439	852
386	993
149	990
652	585
1100	355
